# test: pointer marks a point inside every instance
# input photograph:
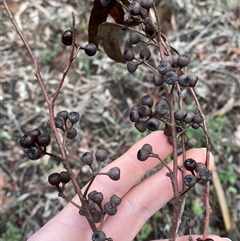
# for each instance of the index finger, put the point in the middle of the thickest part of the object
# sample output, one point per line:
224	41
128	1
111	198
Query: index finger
69	221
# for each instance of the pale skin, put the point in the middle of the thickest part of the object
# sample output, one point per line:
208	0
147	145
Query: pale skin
139	200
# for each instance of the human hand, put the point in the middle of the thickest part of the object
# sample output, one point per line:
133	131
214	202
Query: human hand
139	200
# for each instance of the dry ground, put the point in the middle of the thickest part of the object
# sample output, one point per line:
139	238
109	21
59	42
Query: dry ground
206	30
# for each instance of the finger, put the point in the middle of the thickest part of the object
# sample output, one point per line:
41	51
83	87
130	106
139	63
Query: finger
70	223
194	237
144	199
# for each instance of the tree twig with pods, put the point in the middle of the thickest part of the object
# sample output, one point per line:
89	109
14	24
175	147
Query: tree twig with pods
168	112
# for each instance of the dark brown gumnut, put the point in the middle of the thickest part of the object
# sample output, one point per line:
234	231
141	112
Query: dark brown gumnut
198	118
67	37
44	139
128	55
91	194
193	80
110	208
170	77
54	179
99	235
27	141
59	121
191	142
90	49
170	140
134	8
141	125
205	175
200	166
81	212
64	177
105	3
134	116
142	154
158	80
161	108
114	173
167	130
190	180
73	117
134	38
153	124
149	30
184	80
128	20
34	133
164	66
144	110
188	117
97	197
87	158
63	114
91	204
147	147
195	126
101	155
190	164
183	60
72	133
34	152
115	199
132	66
146	3
96	216
175	60
145	54
168	59
190	223
179	114
147	100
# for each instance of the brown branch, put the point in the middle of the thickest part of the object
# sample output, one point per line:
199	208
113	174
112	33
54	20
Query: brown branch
50	104
208	209
72	56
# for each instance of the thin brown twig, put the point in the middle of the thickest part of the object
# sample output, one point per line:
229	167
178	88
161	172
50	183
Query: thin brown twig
208	209
50	104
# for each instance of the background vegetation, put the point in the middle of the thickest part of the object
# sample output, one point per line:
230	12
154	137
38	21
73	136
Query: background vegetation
103	93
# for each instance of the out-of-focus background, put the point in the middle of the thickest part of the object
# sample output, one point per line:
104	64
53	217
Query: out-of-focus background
103	93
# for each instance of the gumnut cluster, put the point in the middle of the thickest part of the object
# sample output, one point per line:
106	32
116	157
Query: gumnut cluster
98	210
149	115
35	143
170	73
55	179
198	172
170	69
101	155
65	121
95	200
67	39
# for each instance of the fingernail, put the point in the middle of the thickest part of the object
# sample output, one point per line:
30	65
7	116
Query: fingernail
226	239
211	155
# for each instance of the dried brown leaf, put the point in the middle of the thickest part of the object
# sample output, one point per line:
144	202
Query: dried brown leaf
109	34
99	15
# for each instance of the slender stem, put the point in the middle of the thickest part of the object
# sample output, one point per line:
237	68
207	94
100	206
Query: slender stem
88	186
158	157
177	201
50	104
60	194
208	209
72	56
